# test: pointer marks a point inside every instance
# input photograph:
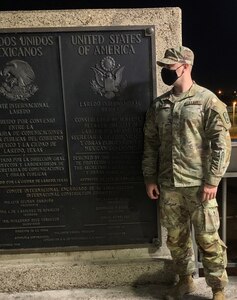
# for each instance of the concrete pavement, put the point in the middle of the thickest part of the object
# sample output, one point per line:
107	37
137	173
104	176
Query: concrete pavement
133	292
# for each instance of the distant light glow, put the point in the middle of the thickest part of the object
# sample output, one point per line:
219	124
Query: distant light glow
233	113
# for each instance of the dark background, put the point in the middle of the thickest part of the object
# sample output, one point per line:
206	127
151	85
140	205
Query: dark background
209	29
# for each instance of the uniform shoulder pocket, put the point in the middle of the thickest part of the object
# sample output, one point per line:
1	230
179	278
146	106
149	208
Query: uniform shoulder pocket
220	108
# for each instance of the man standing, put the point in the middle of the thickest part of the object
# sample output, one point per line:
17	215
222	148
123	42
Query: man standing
187	150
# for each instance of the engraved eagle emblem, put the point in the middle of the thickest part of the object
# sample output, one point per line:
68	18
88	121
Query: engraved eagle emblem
108	78
18	80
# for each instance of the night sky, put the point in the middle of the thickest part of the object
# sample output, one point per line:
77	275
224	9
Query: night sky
209	29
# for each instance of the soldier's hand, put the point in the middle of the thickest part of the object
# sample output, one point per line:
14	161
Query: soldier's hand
209	192
152	191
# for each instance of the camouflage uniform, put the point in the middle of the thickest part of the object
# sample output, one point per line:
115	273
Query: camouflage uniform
187	144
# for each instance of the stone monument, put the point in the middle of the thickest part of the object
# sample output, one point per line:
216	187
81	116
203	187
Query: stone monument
74	89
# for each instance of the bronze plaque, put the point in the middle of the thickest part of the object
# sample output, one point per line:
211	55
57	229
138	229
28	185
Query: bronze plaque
72	107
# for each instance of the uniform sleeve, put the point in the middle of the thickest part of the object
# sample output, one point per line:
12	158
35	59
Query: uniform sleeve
217	125
151	148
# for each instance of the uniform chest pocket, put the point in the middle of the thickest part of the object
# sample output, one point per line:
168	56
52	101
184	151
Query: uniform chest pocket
191	111
163	116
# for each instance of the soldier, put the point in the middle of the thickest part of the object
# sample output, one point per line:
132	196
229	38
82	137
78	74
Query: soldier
187	150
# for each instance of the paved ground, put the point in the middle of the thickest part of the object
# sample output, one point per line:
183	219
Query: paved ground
131	293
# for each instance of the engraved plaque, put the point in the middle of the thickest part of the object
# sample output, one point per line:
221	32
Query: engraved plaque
72	107
32	131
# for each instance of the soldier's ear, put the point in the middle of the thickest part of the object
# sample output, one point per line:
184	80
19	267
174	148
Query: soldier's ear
188	67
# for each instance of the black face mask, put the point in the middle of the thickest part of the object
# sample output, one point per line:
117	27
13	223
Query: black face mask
169	76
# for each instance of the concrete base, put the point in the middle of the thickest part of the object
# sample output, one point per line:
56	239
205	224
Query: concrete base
53	276
151	291
85	269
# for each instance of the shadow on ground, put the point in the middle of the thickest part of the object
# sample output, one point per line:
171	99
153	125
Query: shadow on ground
159	290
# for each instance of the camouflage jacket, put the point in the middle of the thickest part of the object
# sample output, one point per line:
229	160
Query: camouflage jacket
186	139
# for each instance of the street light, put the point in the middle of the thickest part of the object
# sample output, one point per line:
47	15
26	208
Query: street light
233	111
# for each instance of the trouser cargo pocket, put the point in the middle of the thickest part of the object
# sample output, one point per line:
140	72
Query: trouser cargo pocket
211	215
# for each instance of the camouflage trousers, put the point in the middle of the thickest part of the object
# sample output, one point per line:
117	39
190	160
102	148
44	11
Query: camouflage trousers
179	207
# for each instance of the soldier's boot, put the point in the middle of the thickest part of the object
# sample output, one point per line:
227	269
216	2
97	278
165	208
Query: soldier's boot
184	286
218	294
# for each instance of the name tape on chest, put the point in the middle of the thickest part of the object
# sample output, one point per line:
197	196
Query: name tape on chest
193	102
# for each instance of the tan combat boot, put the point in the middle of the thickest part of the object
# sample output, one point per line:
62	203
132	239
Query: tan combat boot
218	294
184	286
